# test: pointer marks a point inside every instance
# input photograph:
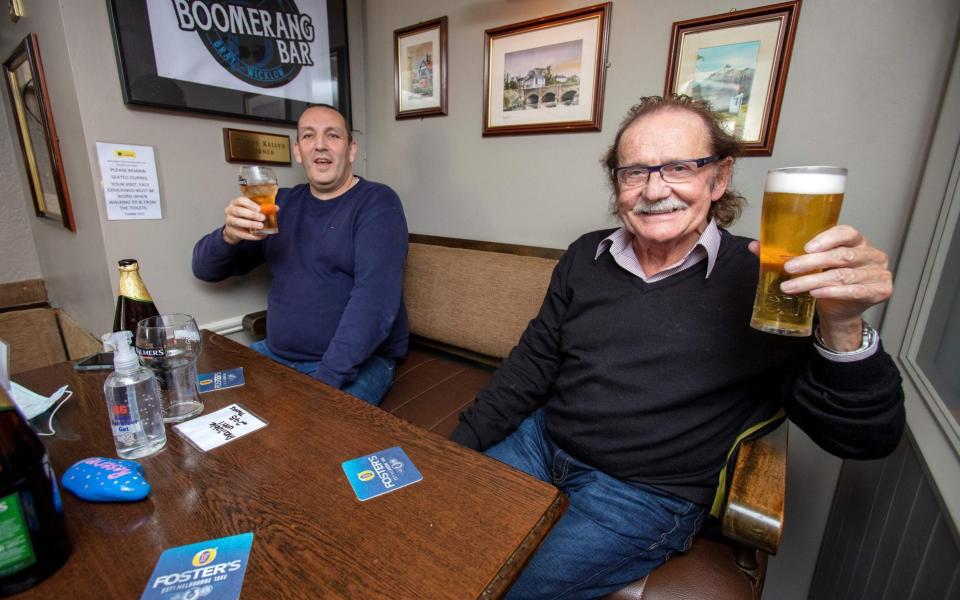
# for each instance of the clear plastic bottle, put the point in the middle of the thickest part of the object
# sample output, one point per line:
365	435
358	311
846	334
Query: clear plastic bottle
133	401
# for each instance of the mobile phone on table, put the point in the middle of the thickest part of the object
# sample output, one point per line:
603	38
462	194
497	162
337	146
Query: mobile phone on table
102	361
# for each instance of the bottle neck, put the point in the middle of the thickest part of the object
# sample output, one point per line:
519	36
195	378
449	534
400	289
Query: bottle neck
132	286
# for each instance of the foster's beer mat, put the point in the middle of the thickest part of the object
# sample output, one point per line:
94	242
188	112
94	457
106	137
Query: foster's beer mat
220	380
211	570
380	473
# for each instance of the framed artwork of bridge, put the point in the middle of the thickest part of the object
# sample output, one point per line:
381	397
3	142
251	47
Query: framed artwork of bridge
546	75
737	61
420	69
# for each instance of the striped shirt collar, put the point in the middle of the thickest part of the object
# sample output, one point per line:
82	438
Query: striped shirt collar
620	247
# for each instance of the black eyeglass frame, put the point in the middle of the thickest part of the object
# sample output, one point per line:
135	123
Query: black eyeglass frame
700	162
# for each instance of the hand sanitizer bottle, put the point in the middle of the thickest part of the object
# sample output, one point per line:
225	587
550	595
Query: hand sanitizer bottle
133	401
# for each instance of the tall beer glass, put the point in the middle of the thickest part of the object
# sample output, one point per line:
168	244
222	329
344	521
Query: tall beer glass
798	204
260	185
170	346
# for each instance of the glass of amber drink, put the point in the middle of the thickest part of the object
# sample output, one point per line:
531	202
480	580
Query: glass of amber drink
260	185
798	204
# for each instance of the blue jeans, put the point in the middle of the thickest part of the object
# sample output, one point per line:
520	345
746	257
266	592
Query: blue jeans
373	377
613	532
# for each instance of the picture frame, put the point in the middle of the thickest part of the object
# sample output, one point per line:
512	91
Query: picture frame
737	61
546	75
247	71
37	132
419	86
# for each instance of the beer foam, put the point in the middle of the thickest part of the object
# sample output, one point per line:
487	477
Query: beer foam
784	182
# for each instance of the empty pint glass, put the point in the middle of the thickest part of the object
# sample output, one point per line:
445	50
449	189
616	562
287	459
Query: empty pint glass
170	345
260	185
798	204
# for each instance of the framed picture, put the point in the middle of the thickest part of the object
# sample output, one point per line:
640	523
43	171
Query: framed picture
39	143
546	75
265	60
738	62
420	69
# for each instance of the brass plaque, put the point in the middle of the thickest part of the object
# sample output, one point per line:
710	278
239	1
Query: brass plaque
256	147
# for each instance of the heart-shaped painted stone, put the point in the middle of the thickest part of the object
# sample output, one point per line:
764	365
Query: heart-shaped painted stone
101	479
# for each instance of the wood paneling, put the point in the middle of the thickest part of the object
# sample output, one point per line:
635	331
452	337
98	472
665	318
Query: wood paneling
887	537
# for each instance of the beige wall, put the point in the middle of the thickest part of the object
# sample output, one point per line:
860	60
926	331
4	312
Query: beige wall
71	263
862	92
18	260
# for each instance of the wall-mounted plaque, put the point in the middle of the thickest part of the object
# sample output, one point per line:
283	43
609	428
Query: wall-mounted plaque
243	146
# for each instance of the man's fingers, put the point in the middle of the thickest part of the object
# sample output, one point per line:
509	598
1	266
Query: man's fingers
838	235
838	258
865	284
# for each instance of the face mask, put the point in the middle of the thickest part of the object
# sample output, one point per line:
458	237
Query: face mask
32	404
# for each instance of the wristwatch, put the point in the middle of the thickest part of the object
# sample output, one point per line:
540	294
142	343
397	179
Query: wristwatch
869	337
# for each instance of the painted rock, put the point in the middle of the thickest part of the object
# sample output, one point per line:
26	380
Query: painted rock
106	480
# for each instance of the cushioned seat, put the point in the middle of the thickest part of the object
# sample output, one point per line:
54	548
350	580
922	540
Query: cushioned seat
431	389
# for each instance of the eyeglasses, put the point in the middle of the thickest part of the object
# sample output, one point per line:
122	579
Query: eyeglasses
678	171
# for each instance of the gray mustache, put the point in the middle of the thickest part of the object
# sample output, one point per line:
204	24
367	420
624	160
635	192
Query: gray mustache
665	205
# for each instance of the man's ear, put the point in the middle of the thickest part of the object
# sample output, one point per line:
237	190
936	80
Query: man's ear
353	150
296	153
722	179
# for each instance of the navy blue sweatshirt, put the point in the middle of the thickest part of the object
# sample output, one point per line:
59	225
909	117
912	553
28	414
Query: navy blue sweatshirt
337	265
652	382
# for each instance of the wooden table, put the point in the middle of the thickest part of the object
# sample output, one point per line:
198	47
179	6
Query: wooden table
465	531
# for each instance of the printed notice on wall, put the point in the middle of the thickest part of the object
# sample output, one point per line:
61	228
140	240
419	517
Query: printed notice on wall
129	177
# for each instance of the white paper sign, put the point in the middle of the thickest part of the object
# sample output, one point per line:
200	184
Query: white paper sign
219	427
128	174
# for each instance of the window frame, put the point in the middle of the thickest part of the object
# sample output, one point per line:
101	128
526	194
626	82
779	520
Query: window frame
933	226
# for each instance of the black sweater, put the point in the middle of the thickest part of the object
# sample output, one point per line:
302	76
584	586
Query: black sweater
652	382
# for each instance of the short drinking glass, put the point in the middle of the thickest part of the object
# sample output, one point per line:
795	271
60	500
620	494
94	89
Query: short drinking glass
798	204
260	185
170	345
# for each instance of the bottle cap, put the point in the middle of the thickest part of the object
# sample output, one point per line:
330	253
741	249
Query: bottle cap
125	360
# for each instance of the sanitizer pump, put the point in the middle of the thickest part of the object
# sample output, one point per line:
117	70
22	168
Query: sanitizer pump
133	401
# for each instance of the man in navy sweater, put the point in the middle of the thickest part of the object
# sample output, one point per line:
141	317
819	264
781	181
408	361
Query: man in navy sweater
641	371
335	303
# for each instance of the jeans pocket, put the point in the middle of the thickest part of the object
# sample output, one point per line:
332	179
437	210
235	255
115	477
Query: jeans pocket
561	467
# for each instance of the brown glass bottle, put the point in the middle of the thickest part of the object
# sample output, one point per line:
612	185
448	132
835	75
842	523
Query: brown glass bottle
32	533
133	300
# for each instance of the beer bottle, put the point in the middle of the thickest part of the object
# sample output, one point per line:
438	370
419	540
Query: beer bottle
33	538
133	300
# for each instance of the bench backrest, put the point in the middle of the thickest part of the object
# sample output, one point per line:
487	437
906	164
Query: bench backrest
476	296
37	334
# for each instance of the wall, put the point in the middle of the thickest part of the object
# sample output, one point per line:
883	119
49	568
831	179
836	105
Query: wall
71	263
18	260
861	92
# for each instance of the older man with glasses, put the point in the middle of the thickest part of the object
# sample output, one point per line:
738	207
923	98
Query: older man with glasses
641	370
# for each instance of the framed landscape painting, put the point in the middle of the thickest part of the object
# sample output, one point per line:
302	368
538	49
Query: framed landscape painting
737	62
420	69
546	75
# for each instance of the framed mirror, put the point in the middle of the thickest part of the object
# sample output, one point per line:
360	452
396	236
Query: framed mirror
30	103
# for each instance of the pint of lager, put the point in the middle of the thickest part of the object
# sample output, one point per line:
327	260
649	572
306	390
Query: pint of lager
798	204
260	185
